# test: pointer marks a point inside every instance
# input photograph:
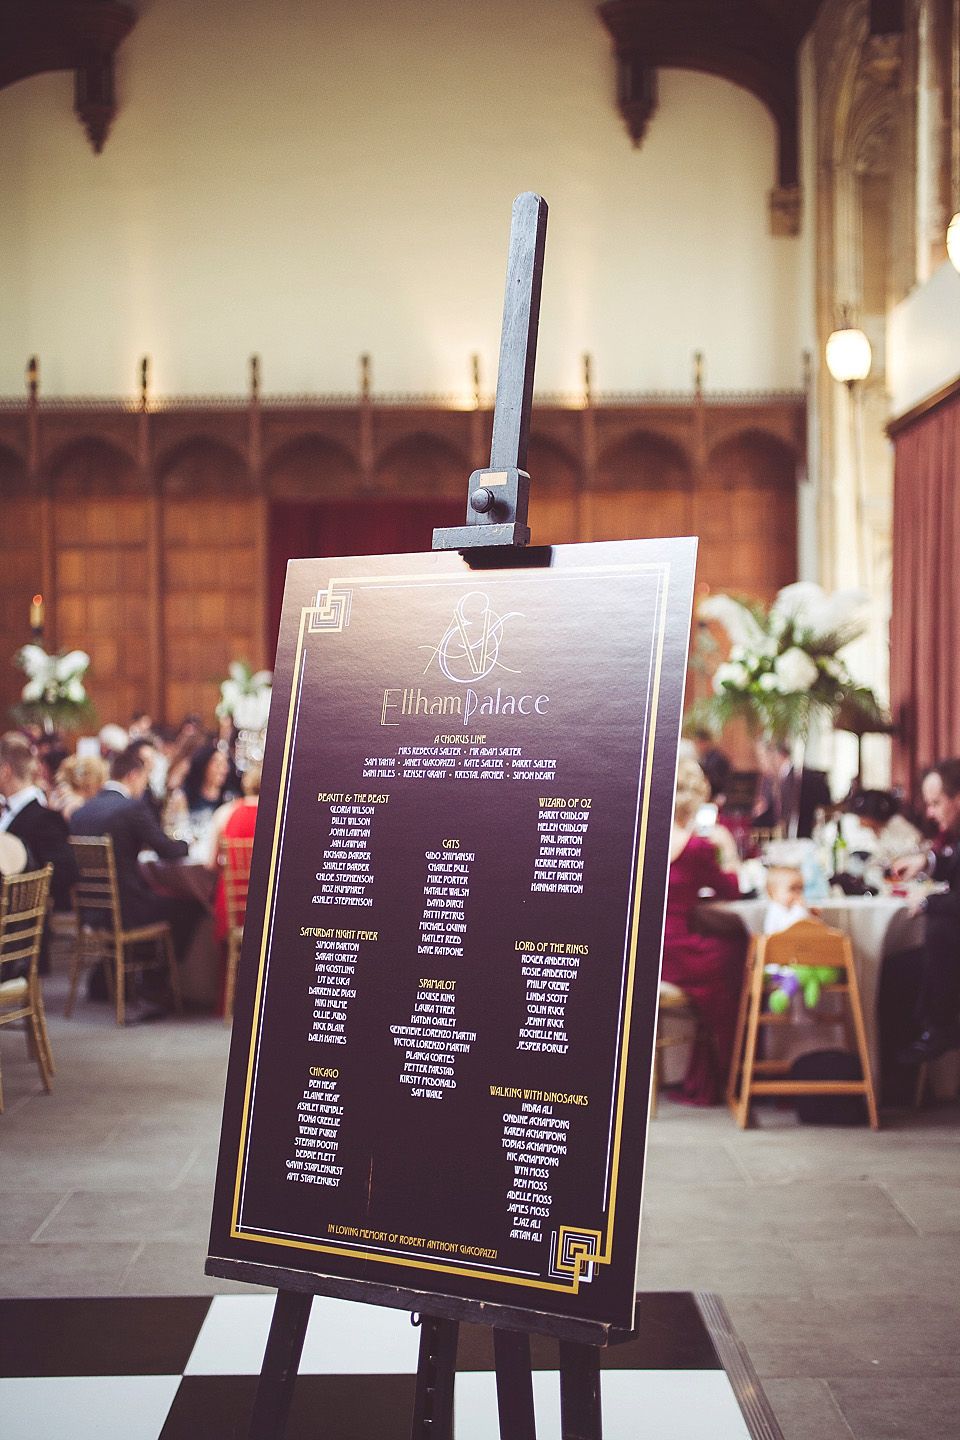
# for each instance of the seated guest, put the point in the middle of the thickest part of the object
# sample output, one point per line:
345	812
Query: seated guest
879	812
148	747
13	855
714	764
27	815
237	820
209	783
13	861
113	739
77	780
938	961
708	968
785	891
121	812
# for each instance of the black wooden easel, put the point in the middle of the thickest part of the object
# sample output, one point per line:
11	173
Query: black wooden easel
497	502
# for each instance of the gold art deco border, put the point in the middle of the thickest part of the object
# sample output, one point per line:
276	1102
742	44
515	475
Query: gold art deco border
307	614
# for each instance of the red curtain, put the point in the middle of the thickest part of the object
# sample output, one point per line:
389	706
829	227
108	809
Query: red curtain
301	529
925	623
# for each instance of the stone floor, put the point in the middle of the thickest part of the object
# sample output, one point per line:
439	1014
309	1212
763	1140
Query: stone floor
836	1252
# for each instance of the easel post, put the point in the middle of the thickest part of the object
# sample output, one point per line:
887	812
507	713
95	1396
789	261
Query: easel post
580	1417
497	503
511	1350
281	1359
436	1370
498	497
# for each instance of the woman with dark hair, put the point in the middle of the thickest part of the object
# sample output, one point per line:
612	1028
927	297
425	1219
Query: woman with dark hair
209	782
879	812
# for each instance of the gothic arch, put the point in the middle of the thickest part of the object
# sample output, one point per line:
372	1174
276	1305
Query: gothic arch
92	466
202	465
311	467
644	461
422	465
751	460
13	472
552	468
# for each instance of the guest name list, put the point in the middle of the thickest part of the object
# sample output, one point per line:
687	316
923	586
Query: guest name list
441	1057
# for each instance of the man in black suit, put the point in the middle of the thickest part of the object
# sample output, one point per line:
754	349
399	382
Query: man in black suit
43	831
938	1008
121	812
26	814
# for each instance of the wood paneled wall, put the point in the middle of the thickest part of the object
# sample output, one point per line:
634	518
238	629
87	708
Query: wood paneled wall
148	532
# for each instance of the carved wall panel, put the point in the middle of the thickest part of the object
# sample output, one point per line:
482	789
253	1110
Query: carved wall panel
156	535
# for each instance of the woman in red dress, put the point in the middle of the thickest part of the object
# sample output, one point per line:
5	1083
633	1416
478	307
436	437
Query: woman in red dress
236	820
708	968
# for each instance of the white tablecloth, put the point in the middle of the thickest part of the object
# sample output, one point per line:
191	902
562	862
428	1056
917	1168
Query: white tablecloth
877	925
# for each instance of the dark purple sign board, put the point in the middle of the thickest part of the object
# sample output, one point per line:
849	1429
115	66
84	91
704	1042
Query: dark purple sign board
439	1079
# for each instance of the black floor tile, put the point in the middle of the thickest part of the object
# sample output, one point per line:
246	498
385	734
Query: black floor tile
336	1407
122	1336
671	1336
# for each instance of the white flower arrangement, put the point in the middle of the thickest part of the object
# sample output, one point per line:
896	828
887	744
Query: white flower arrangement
54	691
245	697
784	665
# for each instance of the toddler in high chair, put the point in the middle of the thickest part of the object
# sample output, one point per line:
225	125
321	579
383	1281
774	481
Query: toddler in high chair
786	907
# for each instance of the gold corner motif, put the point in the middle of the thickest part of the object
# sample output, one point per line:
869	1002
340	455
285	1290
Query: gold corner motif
575	1251
331	614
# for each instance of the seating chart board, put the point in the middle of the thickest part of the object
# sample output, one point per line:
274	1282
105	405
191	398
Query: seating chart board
439	1076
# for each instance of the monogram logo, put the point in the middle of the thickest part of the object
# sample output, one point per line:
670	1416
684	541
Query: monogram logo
470	648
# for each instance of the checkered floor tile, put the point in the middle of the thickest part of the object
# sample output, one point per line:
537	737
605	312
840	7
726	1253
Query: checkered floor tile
186	1369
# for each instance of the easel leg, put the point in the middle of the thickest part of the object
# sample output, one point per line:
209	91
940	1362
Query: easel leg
433	1406
511	1350
580	1391
279	1369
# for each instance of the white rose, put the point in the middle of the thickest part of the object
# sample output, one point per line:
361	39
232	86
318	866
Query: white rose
735	676
251	711
795	671
768	681
67	666
35	660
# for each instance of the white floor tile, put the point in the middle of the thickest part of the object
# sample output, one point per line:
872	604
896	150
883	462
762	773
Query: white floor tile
343	1338
233	1336
637	1404
86	1407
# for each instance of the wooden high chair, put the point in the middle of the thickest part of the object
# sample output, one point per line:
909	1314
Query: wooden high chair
806	943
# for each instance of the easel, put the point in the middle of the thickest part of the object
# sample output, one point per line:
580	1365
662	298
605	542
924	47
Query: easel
496	523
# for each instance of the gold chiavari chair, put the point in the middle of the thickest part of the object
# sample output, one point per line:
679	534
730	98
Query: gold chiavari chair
23	912
101	933
235	857
674	1005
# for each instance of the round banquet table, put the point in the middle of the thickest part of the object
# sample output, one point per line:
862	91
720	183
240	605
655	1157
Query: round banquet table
200	967
877	925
